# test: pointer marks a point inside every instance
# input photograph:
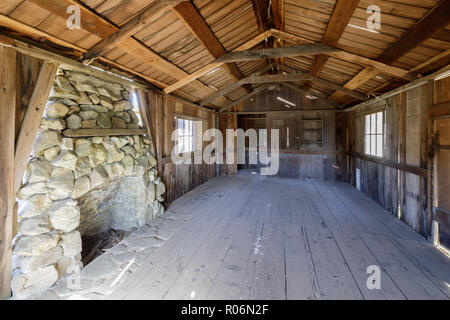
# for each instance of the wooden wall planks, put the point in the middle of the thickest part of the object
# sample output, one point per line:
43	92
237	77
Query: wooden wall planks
297	159
401	189
179	178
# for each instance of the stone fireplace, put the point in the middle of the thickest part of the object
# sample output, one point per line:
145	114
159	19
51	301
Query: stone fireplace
77	186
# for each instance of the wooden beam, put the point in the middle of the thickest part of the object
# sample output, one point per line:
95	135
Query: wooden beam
277	8
145	115
32	120
210	67
436	19
362	77
7	134
439	111
67	63
282	111
247	96
274	78
93	23
147	16
234	86
436	59
44	37
278	14
350	57
79	133
307	92
409	86
392	164
300	50
342	13
187	13
342	89
260	8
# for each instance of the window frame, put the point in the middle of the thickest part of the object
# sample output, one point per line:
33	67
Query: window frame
190	134
375	135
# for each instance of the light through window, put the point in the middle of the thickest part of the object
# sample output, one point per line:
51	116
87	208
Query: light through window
185	135
374	134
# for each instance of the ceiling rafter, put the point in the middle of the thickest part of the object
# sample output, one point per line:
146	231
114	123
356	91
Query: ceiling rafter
210	67
259	78
436	19
235	85
95	24
238	54
277	9
140	21
300	50
191	17
260	8
342	13
307	92
247	96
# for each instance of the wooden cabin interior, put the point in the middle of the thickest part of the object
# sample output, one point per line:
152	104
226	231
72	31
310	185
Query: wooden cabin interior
98	97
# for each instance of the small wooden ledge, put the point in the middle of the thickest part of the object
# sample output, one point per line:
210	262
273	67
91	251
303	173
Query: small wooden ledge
79	133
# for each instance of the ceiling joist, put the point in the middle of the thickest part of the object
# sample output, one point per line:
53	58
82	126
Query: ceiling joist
342	13
148	15
95	24
247	96
305	47
187	13
434	21
259	78
234	86
210	67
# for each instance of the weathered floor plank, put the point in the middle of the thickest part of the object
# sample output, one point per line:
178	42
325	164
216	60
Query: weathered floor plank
254	237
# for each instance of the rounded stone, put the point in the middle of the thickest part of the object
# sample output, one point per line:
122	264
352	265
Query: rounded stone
56	110
65	216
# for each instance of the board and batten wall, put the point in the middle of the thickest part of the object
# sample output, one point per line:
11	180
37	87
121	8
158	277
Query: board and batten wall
298	159
400	180
179	178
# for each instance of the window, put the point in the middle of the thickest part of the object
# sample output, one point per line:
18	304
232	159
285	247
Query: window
185	135
135	103
374	134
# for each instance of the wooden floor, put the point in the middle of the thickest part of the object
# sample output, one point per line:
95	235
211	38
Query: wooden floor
253	237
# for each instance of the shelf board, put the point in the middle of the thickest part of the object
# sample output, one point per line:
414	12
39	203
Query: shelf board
78	133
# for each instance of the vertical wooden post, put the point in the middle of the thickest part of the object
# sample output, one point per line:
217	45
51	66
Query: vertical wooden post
402	153
145	114
7	134
32	120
